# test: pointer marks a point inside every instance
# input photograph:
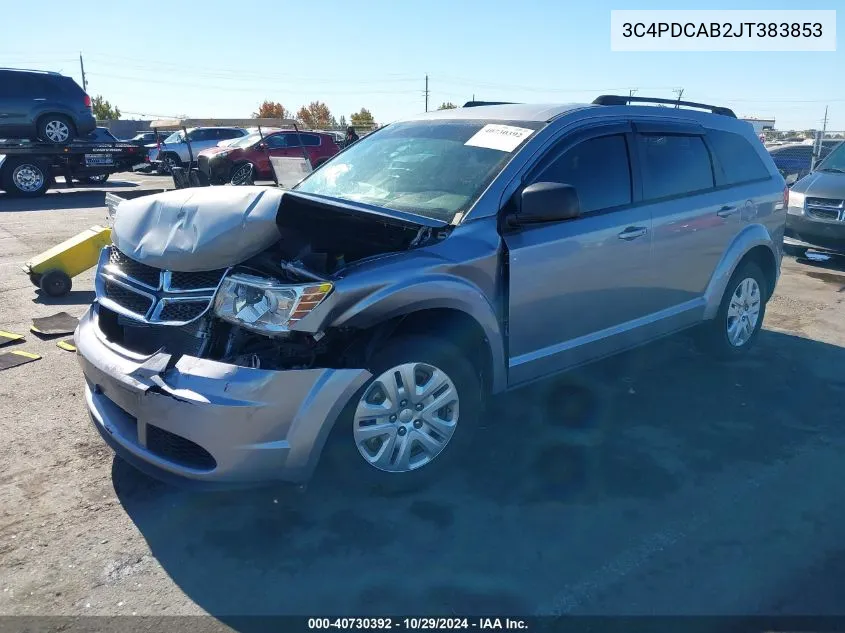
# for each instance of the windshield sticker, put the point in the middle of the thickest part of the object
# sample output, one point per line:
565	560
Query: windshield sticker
505	138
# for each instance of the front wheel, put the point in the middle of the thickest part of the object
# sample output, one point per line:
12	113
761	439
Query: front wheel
412	422
740	317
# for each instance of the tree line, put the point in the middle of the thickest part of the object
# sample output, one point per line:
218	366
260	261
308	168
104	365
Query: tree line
315	115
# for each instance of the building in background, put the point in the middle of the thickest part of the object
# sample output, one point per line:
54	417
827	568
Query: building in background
760	125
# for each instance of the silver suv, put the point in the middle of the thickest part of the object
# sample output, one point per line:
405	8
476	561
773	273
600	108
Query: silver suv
173	151
239	333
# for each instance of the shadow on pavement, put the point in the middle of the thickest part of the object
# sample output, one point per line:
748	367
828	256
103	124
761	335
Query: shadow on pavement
74	297
563	474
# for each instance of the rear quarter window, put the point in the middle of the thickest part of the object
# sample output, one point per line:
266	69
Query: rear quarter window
674	165
737	157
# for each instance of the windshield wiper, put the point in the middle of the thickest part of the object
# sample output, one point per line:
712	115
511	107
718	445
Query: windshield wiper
835	170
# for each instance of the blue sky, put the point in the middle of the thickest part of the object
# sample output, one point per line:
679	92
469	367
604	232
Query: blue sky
222	58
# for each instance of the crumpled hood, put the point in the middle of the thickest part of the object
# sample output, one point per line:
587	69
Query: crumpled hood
822	184
201	228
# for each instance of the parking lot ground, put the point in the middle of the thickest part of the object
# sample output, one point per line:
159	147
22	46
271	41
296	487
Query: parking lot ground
657	482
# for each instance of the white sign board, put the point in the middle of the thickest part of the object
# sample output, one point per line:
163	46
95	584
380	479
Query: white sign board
290	170
505	138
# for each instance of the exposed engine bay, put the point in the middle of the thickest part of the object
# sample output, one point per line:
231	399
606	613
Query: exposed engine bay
310	241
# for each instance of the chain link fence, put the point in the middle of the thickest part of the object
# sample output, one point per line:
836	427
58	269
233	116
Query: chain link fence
796	156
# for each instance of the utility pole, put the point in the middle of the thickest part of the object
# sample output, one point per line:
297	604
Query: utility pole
82	68
817	146
426	93
632	92
680	93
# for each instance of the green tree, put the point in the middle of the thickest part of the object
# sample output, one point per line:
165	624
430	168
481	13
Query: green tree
363	119
271	110
315	115
103	110
342	122
448	105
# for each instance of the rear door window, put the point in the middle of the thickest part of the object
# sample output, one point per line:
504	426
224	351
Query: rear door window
674	165
599	170
225	134
739	160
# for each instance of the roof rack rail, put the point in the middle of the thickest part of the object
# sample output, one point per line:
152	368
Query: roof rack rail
33	70
625	100
473	104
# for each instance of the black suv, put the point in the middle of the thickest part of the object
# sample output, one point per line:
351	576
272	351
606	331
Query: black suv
43	106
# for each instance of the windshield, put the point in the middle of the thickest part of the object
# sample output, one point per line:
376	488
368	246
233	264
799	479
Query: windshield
246	141
176	137
835	161
432	168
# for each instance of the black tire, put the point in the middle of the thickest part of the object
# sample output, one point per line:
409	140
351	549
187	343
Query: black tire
239	174
794	251
342	462
35	278
55	283
95	180
713	336
50	124
25	177
168	160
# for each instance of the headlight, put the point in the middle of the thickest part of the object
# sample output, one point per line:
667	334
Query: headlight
222	154
796	203
264	305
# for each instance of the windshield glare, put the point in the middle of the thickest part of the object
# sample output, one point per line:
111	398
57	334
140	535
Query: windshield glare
421	167
835	161
176	137
246	141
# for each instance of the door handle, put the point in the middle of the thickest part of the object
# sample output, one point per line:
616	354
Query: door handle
726	211
40	99
633	232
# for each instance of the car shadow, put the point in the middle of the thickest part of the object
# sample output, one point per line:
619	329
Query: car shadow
74	297
562	472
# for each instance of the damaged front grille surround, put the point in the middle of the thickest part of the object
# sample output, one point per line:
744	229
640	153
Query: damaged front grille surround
152	295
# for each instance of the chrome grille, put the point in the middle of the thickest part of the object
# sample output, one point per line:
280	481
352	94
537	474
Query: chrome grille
196	281
831	209
152	295
128	299
128	267
181	310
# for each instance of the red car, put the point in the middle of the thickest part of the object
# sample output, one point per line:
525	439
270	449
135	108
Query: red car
219	163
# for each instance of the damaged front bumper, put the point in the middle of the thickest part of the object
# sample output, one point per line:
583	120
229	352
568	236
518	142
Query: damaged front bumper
208	423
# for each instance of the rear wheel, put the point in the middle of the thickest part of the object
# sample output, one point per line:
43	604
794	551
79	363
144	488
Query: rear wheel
25	177
412	422
55	128
93	180
740	317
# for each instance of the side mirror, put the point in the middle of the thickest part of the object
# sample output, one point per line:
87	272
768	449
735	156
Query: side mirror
262	145
547	202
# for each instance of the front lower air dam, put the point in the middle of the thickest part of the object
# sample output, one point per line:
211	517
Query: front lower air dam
206	423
